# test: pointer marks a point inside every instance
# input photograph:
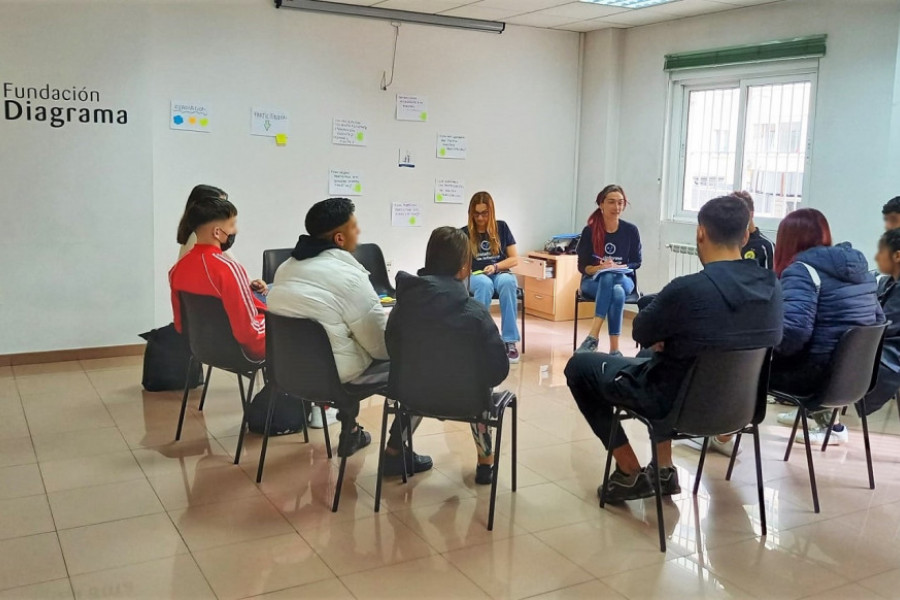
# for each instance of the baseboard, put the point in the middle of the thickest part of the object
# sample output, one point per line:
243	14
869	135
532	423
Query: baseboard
32	358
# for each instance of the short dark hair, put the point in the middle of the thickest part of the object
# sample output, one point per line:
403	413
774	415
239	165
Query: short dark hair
726	219
199	191
209	209
891	206
327	215
891	240
746	197
447	252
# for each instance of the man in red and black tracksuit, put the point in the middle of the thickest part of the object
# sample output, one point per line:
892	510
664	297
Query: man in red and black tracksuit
206	271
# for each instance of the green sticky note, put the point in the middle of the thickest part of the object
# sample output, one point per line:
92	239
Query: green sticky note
412	220
357	188
360	136
440	198
423	116
443	152
204	122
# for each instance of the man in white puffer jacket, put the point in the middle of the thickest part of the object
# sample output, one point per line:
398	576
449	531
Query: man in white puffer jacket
322	281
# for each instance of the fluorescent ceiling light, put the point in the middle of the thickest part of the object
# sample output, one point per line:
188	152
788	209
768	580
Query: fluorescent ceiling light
404	16
629	3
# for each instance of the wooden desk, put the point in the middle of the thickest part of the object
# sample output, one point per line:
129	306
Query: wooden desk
550	284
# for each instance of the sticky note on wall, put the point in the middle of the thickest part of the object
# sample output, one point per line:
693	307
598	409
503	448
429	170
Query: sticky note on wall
281	139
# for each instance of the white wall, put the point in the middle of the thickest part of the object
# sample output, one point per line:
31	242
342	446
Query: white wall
851	174
95	212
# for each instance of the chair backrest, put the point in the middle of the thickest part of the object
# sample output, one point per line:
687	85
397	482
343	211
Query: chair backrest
272	259
371	257
208	330
300	360
723	392
854	366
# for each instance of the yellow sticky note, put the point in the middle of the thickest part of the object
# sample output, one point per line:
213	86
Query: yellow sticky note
281	139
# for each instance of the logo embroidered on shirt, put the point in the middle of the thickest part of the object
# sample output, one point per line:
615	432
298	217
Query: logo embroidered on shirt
750	254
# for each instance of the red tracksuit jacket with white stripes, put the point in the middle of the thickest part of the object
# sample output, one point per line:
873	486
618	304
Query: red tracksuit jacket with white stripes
207	272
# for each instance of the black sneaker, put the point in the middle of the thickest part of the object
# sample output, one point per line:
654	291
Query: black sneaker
622	487
668	480
484	474
351	442
393	465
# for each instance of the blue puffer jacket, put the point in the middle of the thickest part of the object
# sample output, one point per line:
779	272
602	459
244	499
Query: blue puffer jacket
814	323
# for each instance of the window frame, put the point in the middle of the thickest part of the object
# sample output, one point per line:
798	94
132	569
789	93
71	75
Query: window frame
681	83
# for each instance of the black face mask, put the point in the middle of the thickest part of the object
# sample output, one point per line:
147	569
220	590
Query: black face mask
229	242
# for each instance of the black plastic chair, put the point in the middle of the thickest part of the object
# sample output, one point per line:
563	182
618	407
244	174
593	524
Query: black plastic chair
272	259
205	324
853	374
302	365
723	393
633	298
372	258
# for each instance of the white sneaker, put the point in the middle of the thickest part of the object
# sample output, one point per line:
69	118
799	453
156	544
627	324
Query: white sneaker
315	418
817	437
788	418
715	445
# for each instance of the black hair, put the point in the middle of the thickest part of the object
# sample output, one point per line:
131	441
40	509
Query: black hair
726	219
208	209
447	252
891	240
327	215
891	206
199	191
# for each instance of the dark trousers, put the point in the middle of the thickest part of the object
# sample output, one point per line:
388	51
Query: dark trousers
887	386
378	372
595	380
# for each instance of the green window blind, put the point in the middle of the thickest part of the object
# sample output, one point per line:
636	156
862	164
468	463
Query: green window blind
801	47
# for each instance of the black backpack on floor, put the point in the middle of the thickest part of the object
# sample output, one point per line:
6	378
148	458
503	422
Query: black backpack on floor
166	361
287	418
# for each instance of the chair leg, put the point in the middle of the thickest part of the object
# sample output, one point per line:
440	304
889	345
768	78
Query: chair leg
381	449
245	403
612	436
184	401
700	465
865	425
657	486
809	461
403	445
409	442
325	430
305	421
522	332
205	386
800	412
844	411
496	471
759	479
515	440
339	484
575	329
834	415
734	453
273	398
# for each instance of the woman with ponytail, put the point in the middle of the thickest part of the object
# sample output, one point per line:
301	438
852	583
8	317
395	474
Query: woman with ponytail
608	247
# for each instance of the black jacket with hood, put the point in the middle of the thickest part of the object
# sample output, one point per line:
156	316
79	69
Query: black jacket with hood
729	305
446	352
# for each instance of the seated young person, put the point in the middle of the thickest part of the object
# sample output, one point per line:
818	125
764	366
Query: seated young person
891	213
759	247
827	290
731	305
207	271
437	306
322	281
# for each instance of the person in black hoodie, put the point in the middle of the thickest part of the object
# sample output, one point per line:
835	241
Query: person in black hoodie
731	304
437	306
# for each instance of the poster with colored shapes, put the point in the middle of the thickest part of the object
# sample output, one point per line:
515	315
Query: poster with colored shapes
452	146
449	191
345	183
347	132
269	122
406	214
412	108
190	116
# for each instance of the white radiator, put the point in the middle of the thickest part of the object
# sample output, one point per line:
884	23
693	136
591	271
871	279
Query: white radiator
683	260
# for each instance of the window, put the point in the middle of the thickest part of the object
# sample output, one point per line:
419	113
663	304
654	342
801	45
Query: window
731	133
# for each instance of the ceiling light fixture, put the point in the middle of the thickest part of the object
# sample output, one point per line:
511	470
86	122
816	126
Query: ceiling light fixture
404	16
629	3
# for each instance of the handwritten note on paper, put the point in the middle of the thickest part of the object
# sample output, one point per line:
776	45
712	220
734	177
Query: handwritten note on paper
406	214
269	122
348	132
449	191
345	183
452	146
412	108
190	116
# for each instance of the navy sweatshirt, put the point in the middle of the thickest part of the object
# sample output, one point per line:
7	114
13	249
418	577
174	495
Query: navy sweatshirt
623	246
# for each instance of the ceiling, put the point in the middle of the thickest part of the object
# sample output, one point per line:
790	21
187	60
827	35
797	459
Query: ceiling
569	15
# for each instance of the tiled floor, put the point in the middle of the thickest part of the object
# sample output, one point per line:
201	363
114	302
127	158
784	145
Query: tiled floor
97	501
